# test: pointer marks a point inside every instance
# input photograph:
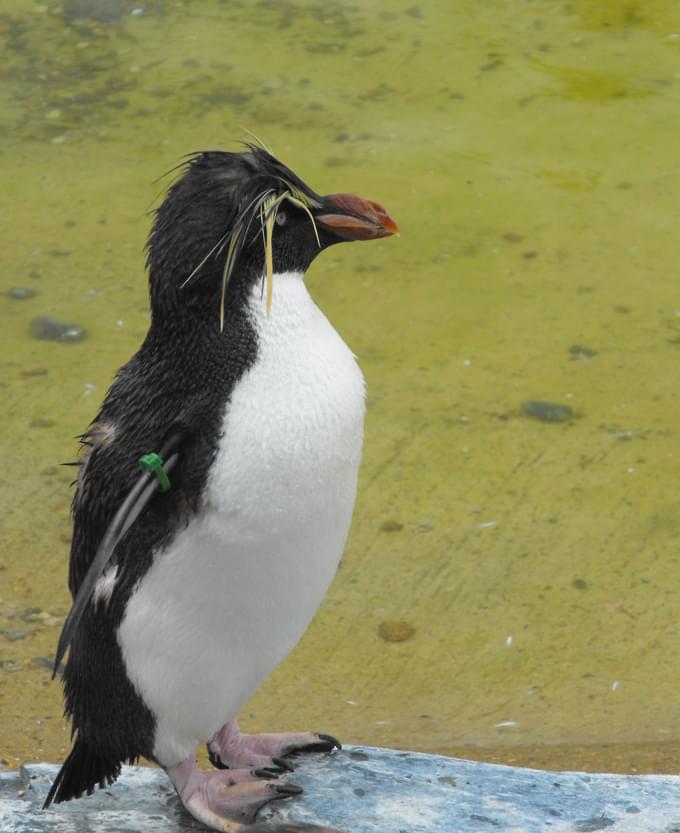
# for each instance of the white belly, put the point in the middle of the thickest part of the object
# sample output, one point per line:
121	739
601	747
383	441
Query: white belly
233	593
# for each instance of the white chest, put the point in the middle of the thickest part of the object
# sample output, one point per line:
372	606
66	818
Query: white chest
293	428
235	590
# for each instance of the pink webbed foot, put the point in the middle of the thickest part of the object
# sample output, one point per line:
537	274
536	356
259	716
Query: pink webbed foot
232	748
226	800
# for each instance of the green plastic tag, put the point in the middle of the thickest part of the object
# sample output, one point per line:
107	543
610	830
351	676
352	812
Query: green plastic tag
153	463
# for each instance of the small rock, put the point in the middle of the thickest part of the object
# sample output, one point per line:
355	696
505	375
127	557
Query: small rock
30	372
547	411
12	634
35	614
21	293
10	666
395	630
494	64
578	351
44	328
41	422
512	237
48	662
391	526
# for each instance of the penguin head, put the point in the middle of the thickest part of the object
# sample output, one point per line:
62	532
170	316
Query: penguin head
234	219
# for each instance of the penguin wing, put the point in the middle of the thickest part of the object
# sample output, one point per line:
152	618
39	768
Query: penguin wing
154	476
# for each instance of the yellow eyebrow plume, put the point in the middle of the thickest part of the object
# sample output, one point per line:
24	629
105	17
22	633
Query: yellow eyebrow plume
267	205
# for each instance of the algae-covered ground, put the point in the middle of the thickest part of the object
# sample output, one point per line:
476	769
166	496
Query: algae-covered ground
509	589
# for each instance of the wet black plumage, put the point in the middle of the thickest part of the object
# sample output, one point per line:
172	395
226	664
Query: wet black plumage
177	383
211	243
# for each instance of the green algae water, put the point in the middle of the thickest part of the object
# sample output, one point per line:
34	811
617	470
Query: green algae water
509	589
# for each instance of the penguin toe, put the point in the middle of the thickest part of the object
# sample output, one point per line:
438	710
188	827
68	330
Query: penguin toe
327	743
215	759
321	743
224	805
283	765
287	789
266	772
233	748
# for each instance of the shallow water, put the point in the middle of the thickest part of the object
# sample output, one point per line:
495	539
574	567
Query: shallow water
509	586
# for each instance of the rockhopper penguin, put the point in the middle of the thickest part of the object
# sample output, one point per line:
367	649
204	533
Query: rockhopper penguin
192	581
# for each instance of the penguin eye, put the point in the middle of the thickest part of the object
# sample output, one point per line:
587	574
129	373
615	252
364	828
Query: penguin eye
281	218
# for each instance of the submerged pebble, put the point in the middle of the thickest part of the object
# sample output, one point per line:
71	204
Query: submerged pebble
579	351
395	630
12	634
20	293
512	237
48	662
44	328
547	411
41	422
30	372
35	614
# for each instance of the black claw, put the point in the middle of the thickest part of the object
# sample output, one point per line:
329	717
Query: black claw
283	764
215	759
287	789
334	742
266	772
326	743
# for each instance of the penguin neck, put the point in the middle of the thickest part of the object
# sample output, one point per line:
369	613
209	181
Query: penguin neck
190	335
290	303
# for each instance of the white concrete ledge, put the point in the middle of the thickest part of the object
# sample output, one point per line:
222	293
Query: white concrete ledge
371	790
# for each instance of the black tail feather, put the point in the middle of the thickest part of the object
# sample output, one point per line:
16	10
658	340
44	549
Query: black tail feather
82	771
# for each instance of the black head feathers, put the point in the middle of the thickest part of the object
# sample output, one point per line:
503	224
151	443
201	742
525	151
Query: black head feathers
232	219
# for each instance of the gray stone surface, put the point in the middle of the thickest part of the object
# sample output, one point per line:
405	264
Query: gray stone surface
369	790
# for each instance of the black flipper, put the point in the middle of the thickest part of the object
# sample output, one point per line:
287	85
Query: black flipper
81	772
137	498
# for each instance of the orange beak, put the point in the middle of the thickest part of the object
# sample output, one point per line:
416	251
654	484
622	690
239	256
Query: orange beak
356	218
